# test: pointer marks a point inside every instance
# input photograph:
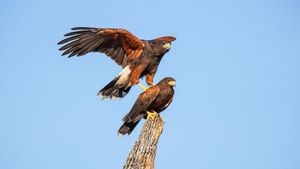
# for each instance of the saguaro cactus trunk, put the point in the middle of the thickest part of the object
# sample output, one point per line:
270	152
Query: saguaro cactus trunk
143	153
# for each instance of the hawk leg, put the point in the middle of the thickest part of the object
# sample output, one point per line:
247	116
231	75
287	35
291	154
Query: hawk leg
136	74
142	86
149	79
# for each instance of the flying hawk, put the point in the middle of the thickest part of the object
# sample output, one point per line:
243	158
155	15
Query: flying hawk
137	57
154	99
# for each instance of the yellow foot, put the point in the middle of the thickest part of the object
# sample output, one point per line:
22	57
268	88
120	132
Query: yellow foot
151	115
142	86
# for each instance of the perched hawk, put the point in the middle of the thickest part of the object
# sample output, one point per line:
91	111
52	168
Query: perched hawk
155	99
137	57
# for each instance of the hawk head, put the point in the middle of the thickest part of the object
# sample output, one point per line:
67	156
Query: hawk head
163	44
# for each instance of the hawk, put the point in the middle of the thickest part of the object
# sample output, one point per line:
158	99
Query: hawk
137	57
155	99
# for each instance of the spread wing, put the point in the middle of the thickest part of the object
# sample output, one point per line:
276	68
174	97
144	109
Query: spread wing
119	44
141	104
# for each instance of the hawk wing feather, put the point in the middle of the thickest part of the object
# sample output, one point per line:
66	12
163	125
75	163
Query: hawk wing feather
119	44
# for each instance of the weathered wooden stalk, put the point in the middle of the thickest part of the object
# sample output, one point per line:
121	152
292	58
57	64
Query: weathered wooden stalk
143	153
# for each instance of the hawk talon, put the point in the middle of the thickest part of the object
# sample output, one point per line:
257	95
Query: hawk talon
151	115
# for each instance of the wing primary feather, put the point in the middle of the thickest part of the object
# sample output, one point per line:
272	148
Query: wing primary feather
70	45
79	41
72	49
76	33
72	54
78	28
86	46
103	46
68	51
68	39
82	46
95	45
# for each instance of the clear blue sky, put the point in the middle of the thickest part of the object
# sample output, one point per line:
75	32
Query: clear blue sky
237	99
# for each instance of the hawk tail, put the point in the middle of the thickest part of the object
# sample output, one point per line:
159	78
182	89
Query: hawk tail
118	87
113	90
127	128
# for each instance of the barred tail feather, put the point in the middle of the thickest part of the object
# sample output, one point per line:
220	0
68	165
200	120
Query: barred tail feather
118	87
127	128
113	90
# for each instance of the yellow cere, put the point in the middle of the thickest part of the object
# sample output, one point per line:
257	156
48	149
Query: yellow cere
172	83
167	46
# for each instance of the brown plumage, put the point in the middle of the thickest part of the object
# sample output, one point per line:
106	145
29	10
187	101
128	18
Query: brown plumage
137	57
155	99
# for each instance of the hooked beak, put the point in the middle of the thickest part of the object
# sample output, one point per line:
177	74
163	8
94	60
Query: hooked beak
172	83
167	46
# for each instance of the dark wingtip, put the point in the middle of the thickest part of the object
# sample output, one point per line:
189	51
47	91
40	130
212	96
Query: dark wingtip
61	48
64	54
80	28
72	54
70	33
60	42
